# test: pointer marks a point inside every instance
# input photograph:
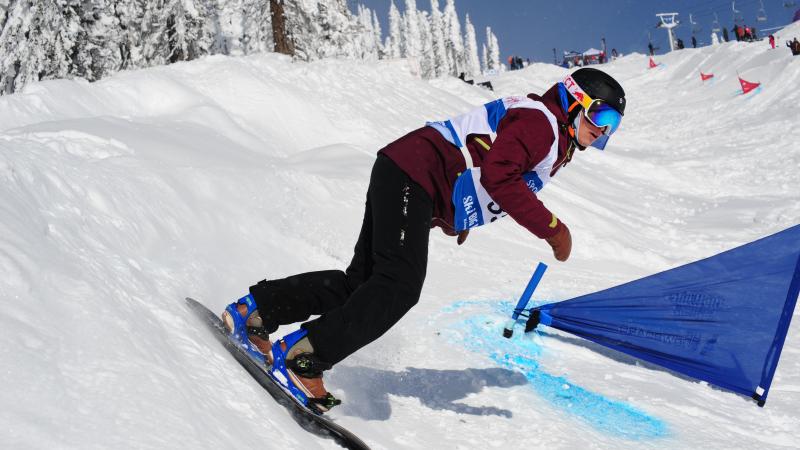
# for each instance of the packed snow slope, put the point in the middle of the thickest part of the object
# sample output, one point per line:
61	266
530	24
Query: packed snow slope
120	198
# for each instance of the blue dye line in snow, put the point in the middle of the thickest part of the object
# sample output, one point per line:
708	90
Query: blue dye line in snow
483	334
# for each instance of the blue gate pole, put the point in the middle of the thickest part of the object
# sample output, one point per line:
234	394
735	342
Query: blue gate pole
508	331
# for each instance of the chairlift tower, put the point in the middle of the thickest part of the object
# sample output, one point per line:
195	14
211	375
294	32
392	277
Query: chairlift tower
668	21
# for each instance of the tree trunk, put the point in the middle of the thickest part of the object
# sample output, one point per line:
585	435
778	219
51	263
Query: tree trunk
283	44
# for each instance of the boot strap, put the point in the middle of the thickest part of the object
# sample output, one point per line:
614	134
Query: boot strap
307	365
329	401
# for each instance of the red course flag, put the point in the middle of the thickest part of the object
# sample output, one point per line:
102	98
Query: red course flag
705	77
748	86
653	63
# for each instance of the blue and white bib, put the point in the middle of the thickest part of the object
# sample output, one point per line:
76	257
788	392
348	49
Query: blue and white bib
472	203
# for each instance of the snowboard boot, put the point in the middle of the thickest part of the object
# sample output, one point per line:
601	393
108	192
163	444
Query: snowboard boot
295	367
246	327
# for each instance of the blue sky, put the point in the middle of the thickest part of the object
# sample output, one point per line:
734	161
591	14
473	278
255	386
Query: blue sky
532	28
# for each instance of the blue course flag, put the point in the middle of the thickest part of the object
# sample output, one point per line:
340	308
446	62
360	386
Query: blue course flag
722	319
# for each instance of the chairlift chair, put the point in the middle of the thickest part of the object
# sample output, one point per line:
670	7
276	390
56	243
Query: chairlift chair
761	16
696	28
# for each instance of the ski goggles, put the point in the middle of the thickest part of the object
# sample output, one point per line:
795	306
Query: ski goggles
598	112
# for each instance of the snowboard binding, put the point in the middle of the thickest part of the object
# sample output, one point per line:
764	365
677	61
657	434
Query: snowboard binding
241	332
287	371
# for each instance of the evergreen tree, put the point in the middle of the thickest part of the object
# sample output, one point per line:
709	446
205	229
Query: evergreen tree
427	60
38	42
256	33
3	11
484	58
493	51
321	29
453	39
282	38
472	65
394	42
412	40
376	29
441	66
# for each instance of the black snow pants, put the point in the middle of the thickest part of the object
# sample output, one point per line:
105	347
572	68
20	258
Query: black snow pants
382	283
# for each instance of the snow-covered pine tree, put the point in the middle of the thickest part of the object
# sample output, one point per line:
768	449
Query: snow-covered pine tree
427	60
338	27
484	58
300	28
283	41
493	51
3	11
256	34
177	30
441	66
97	46
472	65
129	17
376	29
412	39
453	38
229	19
366	44
37	42
321	28
394	41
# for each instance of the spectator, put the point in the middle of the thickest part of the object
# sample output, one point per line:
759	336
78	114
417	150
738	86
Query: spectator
794	46
725	34
650	47
772	40
614	54
680	44
694	42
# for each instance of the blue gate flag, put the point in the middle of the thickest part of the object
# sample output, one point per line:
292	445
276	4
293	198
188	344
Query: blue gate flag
722	319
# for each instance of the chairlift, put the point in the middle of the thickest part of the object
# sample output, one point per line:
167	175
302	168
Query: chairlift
715	26
761	15
695	27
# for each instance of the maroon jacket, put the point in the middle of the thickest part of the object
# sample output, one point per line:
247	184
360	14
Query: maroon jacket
524	137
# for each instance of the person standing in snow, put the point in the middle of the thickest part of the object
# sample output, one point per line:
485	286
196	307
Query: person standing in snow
455	174
772	41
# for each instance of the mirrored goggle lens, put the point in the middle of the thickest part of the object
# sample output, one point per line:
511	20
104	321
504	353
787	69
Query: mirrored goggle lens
603	115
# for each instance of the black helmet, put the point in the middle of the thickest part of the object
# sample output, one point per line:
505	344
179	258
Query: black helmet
600	86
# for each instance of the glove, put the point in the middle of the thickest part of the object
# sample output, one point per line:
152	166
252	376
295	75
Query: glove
561	243
462	236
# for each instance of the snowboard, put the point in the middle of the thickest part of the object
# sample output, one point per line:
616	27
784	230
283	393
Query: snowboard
308	419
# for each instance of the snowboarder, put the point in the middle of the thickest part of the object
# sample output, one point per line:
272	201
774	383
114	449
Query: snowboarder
772	41
507	150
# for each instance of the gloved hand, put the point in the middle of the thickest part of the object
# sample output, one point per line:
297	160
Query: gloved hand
462	236
561	242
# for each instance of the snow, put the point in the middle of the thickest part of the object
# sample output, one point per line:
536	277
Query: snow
121	197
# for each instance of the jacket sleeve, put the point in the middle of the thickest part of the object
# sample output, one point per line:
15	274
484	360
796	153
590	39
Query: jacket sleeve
523	139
